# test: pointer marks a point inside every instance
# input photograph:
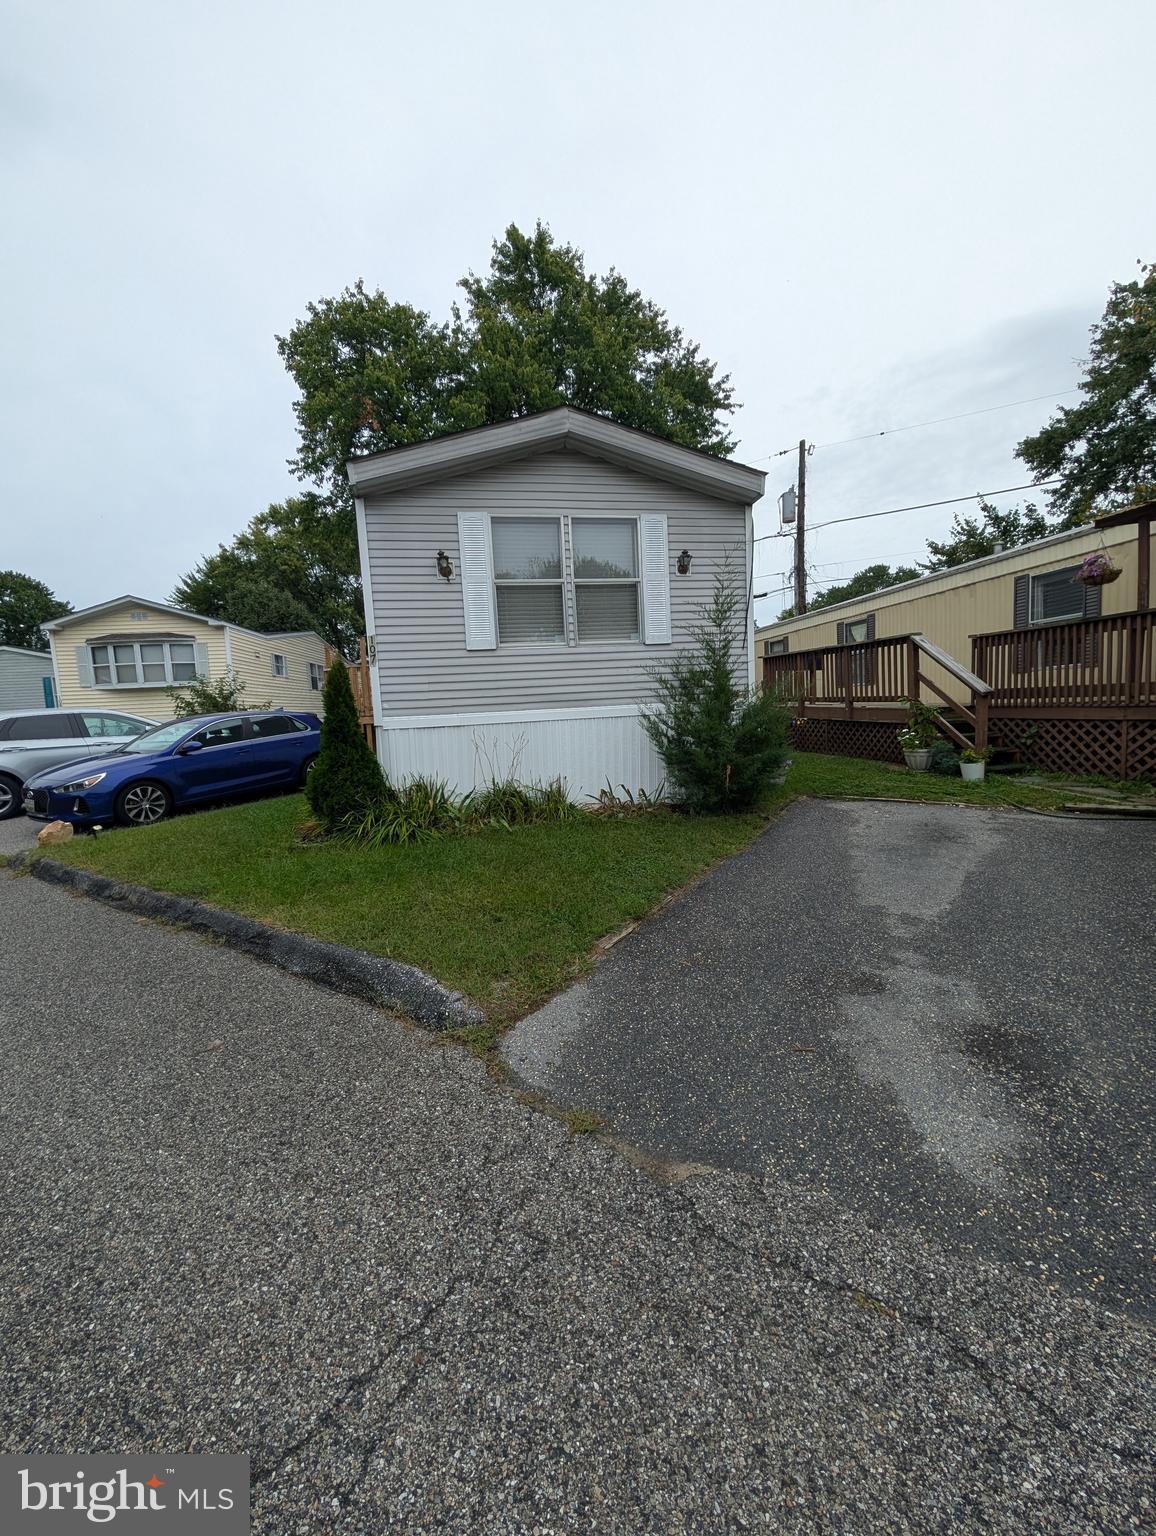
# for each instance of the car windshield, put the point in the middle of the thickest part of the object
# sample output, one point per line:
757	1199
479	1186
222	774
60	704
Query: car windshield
160	737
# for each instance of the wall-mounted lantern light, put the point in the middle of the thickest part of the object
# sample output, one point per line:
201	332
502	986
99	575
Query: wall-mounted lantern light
445	566
684	563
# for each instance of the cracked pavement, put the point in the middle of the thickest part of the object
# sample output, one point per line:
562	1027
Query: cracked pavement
242	1213
941	1016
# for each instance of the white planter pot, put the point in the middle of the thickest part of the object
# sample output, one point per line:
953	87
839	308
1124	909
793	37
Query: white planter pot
919	761
972	771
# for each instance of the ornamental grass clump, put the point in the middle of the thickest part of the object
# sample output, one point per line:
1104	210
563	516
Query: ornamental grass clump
722	744
346	781
420	809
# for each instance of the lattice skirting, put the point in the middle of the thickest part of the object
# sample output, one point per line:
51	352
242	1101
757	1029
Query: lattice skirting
849	738
1119	749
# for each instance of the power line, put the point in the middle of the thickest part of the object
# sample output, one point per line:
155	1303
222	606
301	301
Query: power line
936	421
919	506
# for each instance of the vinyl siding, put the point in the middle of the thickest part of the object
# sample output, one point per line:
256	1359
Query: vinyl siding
253	666
22	675
951	606
424	666
252	656
152	703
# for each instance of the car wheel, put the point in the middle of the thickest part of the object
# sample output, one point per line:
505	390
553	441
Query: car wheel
143	804
11	797
307	768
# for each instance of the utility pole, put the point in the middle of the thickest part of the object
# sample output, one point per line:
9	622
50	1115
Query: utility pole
800	531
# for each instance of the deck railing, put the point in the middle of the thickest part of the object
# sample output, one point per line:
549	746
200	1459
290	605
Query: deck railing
1099	664
850	681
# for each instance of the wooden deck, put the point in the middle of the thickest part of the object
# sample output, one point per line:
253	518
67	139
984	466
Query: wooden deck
1076	697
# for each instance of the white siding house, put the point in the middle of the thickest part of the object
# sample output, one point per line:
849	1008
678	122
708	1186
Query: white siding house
25	679
522	580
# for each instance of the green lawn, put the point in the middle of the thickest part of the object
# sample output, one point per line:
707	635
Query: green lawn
504	916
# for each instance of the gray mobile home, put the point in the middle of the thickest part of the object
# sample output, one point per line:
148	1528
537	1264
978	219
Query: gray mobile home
521	580
26	679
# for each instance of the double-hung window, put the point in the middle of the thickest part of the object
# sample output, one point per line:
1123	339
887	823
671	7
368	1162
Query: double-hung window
280	665
528	579
566	580
606	578
123	664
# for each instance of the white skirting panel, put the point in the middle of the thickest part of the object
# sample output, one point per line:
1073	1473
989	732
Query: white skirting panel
584	747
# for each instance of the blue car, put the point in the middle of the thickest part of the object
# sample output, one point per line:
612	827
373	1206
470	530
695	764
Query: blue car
184	762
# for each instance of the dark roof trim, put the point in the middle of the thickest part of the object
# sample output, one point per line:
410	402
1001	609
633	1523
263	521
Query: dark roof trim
1137	514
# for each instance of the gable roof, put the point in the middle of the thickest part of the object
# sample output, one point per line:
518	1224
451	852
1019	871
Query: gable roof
180	613
563	428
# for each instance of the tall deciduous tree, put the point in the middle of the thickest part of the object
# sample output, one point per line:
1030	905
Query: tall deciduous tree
536	331
1104	448
540	331
971	538
872	578
292	568
26	604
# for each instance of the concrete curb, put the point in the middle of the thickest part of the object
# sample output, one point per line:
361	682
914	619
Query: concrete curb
386	983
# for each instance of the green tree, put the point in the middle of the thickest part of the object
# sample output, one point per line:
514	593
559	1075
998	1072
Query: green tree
346	780
537	331
971	538
294	567
26	604
872	578
721	744
205	697
541	331
371	374
1104	448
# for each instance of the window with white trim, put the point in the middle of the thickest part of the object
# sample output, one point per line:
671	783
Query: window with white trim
124	664
528	579
606	577
280	665
776	647
316	676
566	580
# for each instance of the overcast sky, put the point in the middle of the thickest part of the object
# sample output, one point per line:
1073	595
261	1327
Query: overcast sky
869	214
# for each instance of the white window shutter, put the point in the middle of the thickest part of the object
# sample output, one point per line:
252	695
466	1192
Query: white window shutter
201	652
655	561
84	667
475	561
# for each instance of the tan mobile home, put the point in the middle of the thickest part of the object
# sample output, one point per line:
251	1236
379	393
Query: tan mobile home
126	653
1052	664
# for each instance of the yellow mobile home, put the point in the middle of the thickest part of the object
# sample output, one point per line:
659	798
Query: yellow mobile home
1051	663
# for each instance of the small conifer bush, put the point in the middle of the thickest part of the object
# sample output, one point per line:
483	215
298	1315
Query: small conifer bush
722	744
346	780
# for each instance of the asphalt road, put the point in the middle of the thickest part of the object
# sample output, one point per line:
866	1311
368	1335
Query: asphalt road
245	1214
943	1017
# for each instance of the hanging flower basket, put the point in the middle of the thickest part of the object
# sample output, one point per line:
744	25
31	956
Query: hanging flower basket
1098	570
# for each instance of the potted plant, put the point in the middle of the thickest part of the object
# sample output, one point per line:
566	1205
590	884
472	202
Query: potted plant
918	736
972	761
1098	570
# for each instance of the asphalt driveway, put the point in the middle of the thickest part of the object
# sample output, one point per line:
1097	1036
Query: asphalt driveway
942	1017
242	1213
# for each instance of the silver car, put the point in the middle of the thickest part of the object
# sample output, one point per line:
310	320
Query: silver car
32	739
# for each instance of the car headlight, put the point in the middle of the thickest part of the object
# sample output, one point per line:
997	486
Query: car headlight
78	786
